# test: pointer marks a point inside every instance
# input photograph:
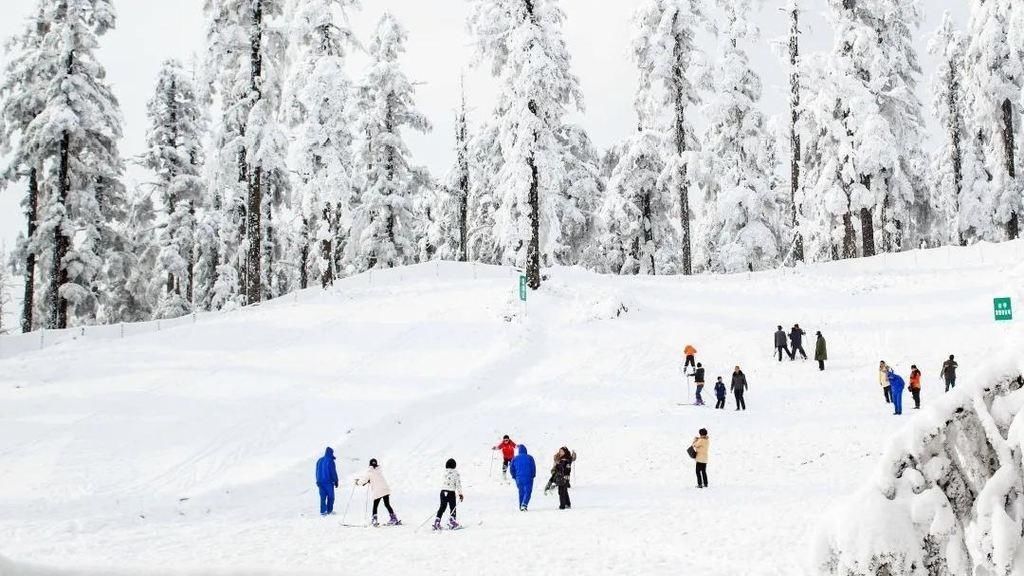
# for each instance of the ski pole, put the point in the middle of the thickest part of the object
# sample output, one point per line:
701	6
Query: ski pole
366	505
422	524
490	471
347	504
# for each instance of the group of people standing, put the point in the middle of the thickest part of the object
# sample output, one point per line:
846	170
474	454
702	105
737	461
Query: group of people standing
893	384
738	384
796	344
523	470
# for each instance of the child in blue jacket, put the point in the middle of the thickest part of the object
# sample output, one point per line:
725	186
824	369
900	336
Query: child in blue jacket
720	392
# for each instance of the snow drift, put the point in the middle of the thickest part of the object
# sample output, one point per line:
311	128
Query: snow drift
948	498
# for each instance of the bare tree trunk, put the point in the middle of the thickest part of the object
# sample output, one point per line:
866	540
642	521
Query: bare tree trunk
955	123
62	243
533	248
462	139
849	236
678	83
648	233
327	252
794	112
191	262
31	214
1013	225
254	205
867	232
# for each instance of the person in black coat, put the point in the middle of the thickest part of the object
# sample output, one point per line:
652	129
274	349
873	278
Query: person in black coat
796	338
739	386
780	344
698	378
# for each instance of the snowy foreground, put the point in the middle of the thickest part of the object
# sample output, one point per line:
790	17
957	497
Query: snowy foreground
191	450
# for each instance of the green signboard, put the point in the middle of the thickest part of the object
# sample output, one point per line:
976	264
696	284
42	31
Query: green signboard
522	288
1003	309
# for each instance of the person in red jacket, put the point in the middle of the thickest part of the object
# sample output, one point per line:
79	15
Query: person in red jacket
508	452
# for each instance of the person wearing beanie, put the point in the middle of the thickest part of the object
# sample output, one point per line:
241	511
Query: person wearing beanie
451	486
374	476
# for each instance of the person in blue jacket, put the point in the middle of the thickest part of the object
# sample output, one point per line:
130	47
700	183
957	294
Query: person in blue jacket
326	481
523	470
896	385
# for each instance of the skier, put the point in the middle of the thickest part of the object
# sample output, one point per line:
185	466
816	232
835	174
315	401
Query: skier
883	379
739	386
820	351
524	470
451	485
698	378
701	444
780	344
508	451
720	394
381	491
949	373
915	386
326	481
897	384
796	338
691	353
561	474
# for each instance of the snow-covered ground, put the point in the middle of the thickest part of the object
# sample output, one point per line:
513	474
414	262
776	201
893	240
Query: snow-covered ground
192	449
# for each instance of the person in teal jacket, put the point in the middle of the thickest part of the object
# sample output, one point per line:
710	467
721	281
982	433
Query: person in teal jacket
523	470
896	385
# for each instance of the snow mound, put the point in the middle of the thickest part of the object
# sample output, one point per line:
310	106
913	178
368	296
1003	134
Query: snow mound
948	498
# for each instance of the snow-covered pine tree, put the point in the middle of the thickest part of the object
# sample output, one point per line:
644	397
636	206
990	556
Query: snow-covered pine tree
21	90
796	248
76	133
5	289
637	234
863	157
523	41
485	164
136	280
995	63
736	229
580	195
664	48
175	156
458	188
383	227
319	111
245	55
960	193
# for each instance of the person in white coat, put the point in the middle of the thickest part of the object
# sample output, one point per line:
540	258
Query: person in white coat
380	491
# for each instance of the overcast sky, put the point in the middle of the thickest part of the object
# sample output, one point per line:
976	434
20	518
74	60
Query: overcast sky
597	32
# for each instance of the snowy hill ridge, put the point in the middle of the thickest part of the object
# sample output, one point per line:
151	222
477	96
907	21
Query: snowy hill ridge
949	496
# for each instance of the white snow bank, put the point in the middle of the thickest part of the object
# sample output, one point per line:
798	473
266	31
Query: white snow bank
948	497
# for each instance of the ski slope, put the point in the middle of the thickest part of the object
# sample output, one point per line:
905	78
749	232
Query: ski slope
191	450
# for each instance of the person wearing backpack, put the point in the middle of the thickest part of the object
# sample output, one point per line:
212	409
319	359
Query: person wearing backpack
699	450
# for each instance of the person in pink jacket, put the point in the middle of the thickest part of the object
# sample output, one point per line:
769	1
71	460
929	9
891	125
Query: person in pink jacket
380	491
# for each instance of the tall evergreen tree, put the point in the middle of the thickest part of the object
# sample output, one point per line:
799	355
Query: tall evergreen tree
175	156
664	48
995	61
737	225
383	225
76	132
21	101
797	243
320	110
459	178
523	40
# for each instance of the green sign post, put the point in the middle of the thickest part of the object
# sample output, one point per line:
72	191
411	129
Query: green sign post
1003	309
522	288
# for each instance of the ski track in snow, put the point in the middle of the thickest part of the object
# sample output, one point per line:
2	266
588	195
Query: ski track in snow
192	449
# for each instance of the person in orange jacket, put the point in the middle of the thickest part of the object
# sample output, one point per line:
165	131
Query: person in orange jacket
691	357
915	386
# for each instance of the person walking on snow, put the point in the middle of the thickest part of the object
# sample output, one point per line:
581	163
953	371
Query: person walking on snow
701	444
780	344
949	373
508	451
896	384
720	394
915	386
820	350
451	486
739	386
883	379
698	378
796	338
561	475
691	356
380	491
326	481
561	453
524	470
